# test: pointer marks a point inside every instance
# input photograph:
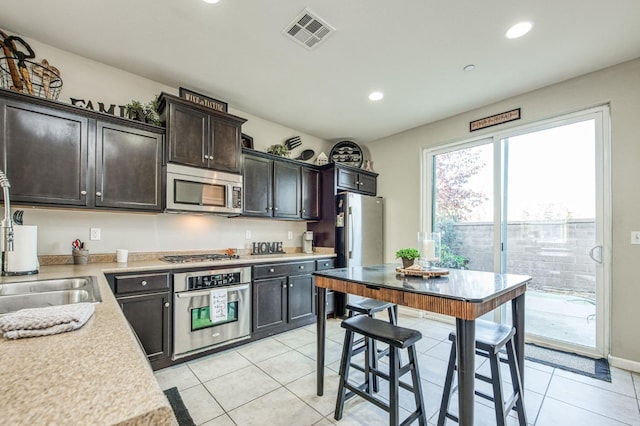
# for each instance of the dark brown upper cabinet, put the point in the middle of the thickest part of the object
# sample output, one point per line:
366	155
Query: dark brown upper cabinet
311	192
355	180
56	154
280	188
200	136
128	168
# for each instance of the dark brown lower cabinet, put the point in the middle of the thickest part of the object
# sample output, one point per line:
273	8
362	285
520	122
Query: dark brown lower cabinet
146	301
284	297
269	303
301	298
149	316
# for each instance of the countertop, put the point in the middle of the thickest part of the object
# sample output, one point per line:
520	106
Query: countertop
463	285
97	374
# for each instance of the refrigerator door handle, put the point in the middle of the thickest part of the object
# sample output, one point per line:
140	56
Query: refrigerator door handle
350	237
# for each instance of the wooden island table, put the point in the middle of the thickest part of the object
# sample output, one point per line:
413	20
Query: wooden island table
465	295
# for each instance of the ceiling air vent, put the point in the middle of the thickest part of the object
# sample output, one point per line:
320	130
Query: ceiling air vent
308	29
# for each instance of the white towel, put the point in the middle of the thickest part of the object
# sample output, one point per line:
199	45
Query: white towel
35	322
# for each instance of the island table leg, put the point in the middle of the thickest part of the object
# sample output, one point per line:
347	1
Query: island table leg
321	328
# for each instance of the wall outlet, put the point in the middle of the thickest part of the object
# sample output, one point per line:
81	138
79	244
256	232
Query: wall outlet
94	234
247	234
635	237
290	235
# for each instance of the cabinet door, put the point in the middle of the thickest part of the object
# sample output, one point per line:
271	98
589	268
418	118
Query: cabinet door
347	179
189	136
310	193
45	154
226	152
286	190
367	184
149	317
128	168
257	187
269	303
301	298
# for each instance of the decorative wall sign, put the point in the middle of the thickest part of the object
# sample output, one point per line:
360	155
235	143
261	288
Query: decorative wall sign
203	100
346	152
267	248
494	120
247	141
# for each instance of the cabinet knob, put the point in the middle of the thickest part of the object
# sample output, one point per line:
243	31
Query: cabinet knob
143	283
290	285
301	266
206	157
98	194
275	208
272	270
166	305
83	192
284	286
304	211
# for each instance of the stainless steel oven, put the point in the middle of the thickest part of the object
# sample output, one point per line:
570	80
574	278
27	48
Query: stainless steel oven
211	308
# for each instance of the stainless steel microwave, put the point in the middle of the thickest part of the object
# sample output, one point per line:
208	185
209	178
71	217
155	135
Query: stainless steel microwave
201	190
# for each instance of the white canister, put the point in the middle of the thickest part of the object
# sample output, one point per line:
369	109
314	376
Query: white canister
23	260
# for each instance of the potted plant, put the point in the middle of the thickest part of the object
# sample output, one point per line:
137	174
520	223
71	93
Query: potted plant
280	150
408	255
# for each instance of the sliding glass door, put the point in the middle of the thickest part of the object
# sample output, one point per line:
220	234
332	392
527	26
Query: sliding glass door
532	201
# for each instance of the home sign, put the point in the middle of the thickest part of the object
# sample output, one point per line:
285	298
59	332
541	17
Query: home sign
267	248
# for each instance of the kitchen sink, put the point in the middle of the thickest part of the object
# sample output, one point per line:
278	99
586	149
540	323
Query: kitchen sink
38	294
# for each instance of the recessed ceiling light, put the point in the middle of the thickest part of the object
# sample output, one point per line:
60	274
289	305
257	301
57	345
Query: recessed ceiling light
211	1
469	68
376	96
519	29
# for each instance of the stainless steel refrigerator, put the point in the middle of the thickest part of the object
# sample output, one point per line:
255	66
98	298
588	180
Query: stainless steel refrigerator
359	236
359	230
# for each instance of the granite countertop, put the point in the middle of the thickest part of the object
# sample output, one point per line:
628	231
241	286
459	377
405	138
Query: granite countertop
97	374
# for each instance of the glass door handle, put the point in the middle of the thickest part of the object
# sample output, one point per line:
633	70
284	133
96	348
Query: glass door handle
596	253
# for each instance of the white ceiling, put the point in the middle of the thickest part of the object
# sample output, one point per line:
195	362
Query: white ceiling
412	50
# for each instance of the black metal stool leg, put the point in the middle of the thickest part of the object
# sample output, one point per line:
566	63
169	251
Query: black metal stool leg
394	390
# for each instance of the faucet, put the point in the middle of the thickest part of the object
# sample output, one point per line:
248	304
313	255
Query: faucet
6	225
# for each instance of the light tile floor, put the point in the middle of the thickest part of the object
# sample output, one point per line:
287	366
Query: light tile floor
273	382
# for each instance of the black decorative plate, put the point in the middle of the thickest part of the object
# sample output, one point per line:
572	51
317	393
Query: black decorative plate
347	152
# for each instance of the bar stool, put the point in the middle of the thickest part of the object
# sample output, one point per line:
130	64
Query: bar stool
370	307
490	339
397	338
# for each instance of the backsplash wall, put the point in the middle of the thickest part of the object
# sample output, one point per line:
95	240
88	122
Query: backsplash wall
141	232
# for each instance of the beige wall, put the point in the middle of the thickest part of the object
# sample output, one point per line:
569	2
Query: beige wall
397	159
90	80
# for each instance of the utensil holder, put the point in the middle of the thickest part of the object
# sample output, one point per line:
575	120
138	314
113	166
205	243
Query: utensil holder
80	257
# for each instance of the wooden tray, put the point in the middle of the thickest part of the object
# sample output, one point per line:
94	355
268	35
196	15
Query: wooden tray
436	272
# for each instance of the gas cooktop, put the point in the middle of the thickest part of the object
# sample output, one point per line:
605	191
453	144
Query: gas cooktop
207	257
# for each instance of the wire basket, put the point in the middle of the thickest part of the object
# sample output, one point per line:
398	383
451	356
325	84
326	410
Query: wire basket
35	79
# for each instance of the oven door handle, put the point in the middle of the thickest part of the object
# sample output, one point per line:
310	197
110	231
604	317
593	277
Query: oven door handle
182	294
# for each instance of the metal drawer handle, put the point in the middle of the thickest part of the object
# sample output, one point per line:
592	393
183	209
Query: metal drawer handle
143	283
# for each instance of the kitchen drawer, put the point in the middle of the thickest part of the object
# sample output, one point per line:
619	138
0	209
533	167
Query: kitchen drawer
283	269
141	283
322	264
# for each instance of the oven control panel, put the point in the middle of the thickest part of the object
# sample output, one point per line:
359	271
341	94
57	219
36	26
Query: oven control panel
214	280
